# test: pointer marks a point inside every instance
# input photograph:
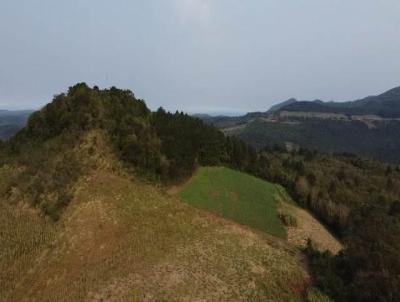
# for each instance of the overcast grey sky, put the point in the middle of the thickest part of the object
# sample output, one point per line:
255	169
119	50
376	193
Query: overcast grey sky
199	55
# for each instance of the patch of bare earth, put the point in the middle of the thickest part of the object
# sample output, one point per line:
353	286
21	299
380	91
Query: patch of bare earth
309	227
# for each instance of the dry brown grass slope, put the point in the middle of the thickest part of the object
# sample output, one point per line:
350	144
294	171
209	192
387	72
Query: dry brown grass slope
121	239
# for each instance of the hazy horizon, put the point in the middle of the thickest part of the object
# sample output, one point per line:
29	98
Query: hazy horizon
200	55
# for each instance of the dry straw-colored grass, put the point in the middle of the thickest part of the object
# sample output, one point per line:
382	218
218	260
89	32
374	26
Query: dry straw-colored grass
124	240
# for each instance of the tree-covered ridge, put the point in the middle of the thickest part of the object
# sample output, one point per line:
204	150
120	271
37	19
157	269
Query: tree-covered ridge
155	143
125	118
161	146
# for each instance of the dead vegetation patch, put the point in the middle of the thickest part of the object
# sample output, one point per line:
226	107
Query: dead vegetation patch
123	240
308	227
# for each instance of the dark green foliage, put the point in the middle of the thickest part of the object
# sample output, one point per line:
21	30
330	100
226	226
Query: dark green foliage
330	186
330	136
187	142
328	272
126	119
369	268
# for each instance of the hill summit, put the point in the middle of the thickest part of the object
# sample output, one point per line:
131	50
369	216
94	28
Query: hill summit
159	146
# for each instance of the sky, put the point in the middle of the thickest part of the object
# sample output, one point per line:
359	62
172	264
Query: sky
199	55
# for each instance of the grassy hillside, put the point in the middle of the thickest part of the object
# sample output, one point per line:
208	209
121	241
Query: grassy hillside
237	196
124	240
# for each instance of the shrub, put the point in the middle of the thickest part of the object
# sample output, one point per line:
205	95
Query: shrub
288	219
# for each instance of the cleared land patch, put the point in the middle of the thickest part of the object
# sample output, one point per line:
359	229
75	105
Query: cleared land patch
237	196
309	227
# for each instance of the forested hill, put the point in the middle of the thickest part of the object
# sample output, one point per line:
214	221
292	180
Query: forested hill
160	144
45	163
84	214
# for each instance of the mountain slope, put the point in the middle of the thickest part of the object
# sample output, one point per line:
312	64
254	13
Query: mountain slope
122	239
279	106
381	142
87	176
367	127
386	105
256	203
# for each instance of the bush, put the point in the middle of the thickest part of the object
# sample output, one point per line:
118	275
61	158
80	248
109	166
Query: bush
288	219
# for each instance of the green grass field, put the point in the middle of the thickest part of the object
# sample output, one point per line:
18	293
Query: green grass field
237	196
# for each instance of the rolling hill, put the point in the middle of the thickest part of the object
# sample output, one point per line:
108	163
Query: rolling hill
367	127
84	212
121	240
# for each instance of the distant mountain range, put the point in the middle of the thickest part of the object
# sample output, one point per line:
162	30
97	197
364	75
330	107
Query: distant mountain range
368	127
386	105
12	121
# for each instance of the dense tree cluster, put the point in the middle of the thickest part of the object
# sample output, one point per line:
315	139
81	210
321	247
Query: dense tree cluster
369	268
359	200
379	140
329	185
